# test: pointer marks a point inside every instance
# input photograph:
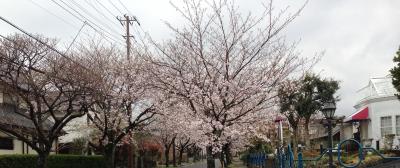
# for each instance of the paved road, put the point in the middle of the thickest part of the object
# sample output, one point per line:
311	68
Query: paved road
202	164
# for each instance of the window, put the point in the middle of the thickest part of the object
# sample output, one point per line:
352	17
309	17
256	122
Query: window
397	125
6	143
386	125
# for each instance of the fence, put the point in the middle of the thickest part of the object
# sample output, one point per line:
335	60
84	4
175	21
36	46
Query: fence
284	157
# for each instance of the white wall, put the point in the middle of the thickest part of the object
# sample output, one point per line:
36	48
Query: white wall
76	128
377	109
17	147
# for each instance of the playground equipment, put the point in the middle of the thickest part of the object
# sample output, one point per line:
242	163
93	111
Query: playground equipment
340	150
284	157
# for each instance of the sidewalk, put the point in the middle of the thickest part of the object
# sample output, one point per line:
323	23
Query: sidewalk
237	163
200	164
203	164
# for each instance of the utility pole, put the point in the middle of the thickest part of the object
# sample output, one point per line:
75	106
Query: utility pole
127	21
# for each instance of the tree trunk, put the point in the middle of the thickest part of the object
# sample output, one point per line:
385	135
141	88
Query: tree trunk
295	141
142	161
307	138
228	155
173	153
221	159
133	157
42	159
210	158
180	156
166	153
130	156
109	154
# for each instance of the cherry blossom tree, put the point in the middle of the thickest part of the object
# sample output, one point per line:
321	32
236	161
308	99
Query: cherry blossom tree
164	129
123	101
287	103
184	142
225	65
42	91
174	126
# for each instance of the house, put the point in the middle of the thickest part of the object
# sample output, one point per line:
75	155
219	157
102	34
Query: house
8	143
10	118
377	113
318	132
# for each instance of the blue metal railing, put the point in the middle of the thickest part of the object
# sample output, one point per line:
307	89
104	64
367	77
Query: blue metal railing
257	159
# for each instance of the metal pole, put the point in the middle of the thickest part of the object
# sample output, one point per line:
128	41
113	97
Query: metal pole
279	152
330	143
281	132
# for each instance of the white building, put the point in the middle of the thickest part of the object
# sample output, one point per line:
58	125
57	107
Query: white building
377	112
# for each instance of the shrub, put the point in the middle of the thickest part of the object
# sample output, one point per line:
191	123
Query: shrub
54	161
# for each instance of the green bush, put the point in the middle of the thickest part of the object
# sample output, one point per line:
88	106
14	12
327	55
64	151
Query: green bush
54	161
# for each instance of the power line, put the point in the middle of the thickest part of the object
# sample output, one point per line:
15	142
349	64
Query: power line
139	25
124	6
109	12
142	39
98	11
62	19
48	11
40	41
101	33
130	13
26	66
31	67
70	7
115	7
75	37
98	2
84	10
89	24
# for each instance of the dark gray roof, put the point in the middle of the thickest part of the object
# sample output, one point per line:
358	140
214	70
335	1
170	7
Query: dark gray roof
9	115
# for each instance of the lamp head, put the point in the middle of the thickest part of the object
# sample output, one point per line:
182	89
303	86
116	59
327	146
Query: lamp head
328	109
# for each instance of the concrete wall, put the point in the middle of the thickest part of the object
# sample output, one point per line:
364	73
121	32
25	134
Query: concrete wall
346	131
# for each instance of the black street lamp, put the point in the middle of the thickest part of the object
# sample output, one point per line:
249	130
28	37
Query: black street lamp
328	110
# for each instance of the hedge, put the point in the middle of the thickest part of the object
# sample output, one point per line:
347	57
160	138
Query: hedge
54	161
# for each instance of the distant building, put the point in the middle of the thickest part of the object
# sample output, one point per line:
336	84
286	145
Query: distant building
319	132
377	113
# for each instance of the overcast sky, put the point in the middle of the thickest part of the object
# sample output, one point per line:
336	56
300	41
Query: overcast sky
359	37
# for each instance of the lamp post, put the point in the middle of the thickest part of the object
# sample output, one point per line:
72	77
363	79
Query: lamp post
278	120
279	151
328	110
